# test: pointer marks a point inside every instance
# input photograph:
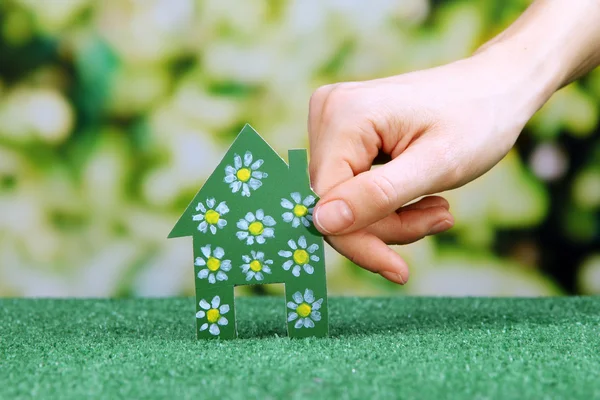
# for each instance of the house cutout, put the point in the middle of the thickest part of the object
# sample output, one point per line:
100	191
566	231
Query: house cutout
251	223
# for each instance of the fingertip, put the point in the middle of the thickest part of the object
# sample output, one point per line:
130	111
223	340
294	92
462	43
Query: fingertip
333	217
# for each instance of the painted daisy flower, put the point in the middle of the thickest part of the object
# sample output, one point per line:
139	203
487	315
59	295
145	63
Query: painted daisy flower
244	176
211	216
300	256
215	265
299	210
256	227
256	265
304	309
213	313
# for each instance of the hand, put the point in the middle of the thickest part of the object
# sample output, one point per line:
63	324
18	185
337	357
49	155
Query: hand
442	127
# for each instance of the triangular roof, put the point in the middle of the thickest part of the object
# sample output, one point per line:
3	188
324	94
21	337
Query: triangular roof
248	138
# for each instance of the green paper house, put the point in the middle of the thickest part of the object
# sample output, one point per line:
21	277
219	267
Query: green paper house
251	223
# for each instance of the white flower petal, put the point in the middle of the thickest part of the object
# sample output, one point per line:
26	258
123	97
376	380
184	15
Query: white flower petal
222	321
204	304
224	309
245	268
309	217
206	250
250	275
287	217
296	222
226	265
309	296
315	315
314	258
202	227
260	214
235	186
292	244
292	316
222	208
305	222
250	240
259	174
229	178
200	314
218	252
257	164
241	235
250	217
266	269
312	248
246	258
237	162
245	190
302	242
222	223
216	301
204	326
213	229
210	203
200	262
198	217
296	197
308	323
247	159
299	323
242	224
211	278
214	329
260	239
286	265
259	276
259	255
254	183
291	305
285	253
308	201
269	221
268	262
285	203
268	232
309	269
296	271
317	304
229	170
298	297
221	276
203	273
200	207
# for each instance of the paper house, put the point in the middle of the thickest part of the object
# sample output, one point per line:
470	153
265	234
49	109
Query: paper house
251	223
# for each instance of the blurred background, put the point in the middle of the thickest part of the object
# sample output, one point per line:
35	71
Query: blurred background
114	112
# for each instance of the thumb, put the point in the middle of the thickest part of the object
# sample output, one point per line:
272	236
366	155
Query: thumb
372	195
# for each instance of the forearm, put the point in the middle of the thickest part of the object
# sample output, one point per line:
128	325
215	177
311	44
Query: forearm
554	41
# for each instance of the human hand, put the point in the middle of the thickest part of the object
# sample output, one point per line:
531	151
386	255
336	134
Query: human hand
442	127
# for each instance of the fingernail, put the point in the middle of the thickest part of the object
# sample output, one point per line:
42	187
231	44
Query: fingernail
334	216
392	276
440	227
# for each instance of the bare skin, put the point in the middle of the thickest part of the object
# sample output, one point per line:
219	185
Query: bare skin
442	127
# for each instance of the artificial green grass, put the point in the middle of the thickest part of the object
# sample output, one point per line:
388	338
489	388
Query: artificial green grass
378	348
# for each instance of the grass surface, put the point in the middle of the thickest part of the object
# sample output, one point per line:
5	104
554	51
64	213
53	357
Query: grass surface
378	348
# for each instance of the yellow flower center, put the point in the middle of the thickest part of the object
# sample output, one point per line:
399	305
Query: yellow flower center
303	310
300	210
256	228
212	217
243	174
213	315
255	265
213	263
301	256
